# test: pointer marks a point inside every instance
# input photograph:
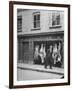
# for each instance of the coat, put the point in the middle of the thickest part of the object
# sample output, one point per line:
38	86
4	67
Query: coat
48	59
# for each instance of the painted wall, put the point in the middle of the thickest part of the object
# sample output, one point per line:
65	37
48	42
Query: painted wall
45	21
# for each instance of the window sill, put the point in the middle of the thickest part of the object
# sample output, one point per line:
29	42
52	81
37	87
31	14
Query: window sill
33	29
19	31
56	26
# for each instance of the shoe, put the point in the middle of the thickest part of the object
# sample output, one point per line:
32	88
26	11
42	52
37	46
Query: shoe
50	67
45	67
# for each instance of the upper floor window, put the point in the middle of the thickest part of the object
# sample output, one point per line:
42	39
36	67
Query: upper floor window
36	20
19	23
55	19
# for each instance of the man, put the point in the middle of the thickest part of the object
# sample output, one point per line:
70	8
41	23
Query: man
49	59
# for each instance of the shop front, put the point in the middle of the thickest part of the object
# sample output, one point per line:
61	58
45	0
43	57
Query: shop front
32	45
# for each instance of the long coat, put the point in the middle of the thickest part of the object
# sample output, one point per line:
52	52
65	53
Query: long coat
48	59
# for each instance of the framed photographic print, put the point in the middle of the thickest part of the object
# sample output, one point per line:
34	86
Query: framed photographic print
39	44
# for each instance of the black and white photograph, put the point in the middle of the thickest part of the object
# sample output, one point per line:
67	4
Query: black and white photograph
40	40
40	44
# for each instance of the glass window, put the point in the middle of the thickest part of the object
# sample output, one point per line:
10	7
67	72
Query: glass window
19	23
36	20
55	19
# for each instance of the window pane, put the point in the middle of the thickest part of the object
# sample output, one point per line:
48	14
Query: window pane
38	17
38	24
53	19
53	22
58	19
19	23
34	18
34	24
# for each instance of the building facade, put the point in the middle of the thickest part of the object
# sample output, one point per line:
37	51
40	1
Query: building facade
36	28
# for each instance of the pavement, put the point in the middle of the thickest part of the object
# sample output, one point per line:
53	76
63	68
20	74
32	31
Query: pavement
40	68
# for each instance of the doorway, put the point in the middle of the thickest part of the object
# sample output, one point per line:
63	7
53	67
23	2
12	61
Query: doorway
25	52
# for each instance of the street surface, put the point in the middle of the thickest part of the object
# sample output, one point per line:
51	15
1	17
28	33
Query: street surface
34	75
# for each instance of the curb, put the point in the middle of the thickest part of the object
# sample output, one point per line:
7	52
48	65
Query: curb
40	70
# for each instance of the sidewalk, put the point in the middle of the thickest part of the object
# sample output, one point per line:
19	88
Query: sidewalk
40	68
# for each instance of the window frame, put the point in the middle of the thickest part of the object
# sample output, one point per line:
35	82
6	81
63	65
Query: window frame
56	14
37	21
19	23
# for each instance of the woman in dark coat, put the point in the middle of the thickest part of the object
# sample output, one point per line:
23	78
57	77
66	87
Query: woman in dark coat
49	59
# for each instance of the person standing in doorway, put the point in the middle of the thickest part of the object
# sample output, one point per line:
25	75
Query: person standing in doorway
49	59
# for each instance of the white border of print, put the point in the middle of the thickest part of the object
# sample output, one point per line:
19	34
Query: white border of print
32	82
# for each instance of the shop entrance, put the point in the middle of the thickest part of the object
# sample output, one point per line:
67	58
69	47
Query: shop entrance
46	45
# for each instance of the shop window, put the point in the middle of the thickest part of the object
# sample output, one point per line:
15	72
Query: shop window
19	23
36	20
56	19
